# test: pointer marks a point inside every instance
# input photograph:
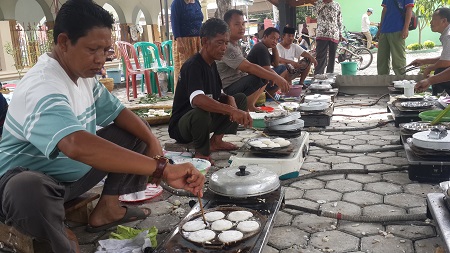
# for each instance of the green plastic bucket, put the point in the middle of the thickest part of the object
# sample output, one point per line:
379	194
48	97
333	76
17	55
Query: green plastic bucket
349	68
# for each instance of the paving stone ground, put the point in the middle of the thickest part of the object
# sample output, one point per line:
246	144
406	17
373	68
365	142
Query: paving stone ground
355	195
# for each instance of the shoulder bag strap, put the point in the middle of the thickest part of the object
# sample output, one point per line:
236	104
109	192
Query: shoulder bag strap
400	10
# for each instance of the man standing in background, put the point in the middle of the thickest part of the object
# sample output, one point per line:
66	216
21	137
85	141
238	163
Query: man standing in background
394	24
328	34
365	25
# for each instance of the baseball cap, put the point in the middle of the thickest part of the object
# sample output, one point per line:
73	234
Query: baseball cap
370	10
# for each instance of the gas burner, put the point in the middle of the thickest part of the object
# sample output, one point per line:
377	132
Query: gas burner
266	205
286	166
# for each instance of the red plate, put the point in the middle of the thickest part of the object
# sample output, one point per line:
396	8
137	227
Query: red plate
150	192
266	108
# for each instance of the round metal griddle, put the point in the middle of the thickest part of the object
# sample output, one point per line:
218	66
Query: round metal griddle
216	243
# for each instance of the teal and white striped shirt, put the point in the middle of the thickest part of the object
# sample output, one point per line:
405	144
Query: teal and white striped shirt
46	107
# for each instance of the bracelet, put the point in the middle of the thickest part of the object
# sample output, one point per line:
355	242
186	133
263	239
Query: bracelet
161	163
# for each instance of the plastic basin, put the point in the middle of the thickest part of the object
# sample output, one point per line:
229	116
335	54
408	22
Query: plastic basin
294	91
349	68
432	114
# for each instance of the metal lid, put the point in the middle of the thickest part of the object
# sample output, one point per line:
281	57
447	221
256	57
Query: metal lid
243	181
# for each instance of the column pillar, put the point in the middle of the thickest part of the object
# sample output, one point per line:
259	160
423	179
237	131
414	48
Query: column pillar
204	5
6	60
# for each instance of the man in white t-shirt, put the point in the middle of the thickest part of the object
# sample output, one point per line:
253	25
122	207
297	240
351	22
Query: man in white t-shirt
365	25
291	53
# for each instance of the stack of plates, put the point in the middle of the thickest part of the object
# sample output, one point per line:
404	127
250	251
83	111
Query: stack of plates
284	122
318	98
314	106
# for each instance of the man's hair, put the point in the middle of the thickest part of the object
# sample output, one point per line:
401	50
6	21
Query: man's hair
444	12
269	31
77	17
212	27
229	14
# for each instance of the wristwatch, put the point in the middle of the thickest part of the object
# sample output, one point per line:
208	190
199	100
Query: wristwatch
161	163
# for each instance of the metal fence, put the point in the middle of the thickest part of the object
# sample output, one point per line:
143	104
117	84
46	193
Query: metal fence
31	40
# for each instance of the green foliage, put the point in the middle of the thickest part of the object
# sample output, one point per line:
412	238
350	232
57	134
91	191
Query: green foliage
124	232
424	10
414	46
429	44
302	13
15	53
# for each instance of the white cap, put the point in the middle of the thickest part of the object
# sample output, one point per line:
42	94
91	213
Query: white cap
370	10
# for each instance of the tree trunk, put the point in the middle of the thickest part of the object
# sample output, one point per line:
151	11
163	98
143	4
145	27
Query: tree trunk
222	7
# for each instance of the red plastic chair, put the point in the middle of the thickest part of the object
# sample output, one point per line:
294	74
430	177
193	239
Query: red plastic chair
128	52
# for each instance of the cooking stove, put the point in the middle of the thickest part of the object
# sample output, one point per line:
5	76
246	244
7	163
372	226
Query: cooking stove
395	91
400	115
425	165
318	118
285	162
267	205
439	211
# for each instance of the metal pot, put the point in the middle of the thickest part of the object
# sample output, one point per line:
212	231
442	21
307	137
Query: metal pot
243	181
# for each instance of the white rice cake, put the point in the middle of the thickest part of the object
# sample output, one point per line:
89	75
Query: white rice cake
203	235
194	225
221	225
248	226
239	215
213	216
230	236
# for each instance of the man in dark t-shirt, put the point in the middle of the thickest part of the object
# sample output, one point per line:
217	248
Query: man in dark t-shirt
199	106
261	56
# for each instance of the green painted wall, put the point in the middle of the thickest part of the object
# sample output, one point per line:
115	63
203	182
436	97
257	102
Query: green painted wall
352	11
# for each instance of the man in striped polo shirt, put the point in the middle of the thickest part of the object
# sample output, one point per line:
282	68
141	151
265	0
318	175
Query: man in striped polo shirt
50	152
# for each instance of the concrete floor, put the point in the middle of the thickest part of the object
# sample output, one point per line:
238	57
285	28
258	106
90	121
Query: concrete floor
373	194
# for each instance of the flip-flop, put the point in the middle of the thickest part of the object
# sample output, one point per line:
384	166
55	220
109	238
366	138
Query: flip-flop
131	214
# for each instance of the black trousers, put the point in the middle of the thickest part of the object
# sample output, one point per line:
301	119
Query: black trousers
196	125
324	48
440	87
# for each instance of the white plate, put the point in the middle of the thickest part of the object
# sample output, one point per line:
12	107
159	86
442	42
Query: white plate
150	192
317	98
314	106
201	164
422	140
290	106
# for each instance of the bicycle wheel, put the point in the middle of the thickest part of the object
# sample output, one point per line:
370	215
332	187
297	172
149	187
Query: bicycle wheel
363	56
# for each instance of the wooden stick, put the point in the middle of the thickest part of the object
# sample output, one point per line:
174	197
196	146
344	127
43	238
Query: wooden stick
261	132
201	209
272	97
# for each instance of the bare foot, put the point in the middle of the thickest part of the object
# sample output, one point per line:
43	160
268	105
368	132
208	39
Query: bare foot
206	157
73	239
107	210
222	146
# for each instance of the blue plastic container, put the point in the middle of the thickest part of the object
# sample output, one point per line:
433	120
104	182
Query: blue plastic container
114	74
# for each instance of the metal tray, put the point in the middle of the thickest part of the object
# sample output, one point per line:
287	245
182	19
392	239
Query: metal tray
265	148
282	119
417	104
216	243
